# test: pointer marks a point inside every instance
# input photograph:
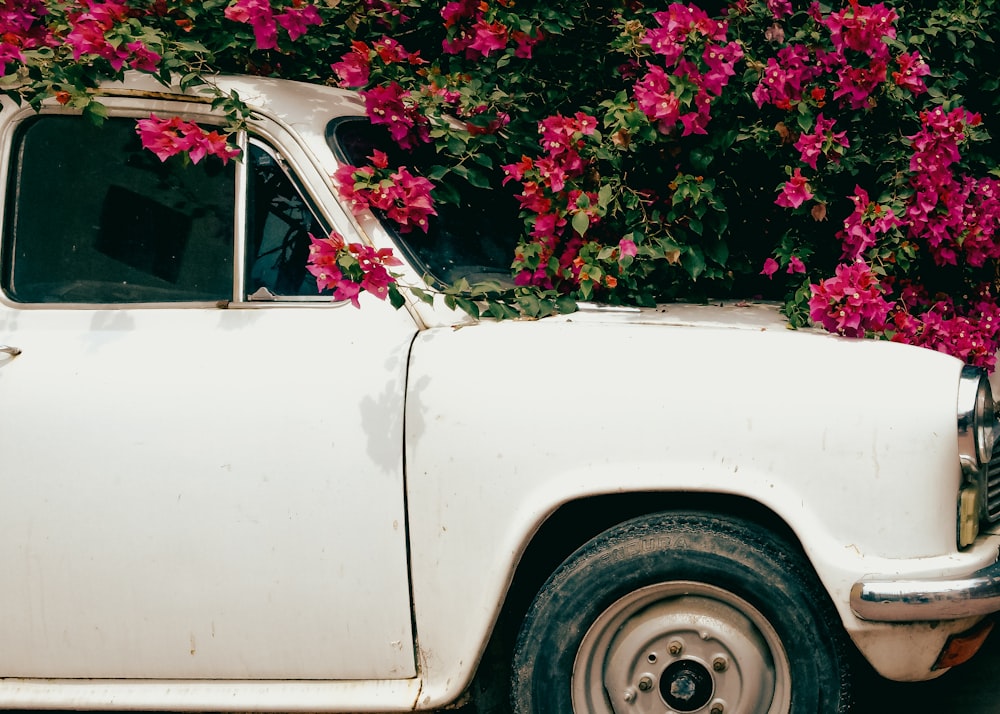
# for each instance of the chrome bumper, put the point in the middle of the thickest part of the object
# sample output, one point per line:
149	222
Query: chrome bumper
929	599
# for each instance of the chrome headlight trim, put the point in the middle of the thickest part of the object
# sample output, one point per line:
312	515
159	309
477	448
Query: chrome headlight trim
977	426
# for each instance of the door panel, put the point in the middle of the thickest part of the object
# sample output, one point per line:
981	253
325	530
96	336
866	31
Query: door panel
196	492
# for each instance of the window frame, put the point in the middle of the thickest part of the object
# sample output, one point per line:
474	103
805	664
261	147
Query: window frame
190	109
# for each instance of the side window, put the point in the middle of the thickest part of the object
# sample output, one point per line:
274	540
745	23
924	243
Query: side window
93	217
279	222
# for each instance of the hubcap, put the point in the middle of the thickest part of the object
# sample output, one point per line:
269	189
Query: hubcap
681	647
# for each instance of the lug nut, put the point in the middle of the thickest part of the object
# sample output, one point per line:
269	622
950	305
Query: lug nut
629	695
675	647
719	664
717	708
645	684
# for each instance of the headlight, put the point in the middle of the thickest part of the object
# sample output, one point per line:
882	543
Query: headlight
977	427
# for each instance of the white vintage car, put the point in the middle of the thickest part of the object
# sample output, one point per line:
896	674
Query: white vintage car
221	491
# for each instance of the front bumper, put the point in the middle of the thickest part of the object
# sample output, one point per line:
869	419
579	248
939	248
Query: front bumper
885	599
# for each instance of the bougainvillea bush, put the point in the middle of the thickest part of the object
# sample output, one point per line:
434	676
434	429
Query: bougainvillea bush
836	157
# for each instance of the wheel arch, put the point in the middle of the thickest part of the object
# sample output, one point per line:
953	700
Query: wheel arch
568	528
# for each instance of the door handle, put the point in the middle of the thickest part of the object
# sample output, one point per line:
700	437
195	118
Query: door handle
12	351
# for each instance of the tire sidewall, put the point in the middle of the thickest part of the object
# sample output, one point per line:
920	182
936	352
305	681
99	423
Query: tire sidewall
728	554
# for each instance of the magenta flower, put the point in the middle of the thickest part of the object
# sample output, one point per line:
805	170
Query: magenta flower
627	248
489	37
850	303
770	267
169	137
795	265
296	20
143	58
865	225
412	203
862	28
259	15
392	106
347	269
655	96
911	69
823	141
779	8
404	198
795	191
161	136
354	67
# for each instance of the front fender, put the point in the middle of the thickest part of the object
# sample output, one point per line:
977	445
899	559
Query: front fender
852	443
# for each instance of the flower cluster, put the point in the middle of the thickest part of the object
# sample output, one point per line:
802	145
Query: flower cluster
550	194
22	27
855	64
399	111
954	214
972	334
169	137
865	226
402	197
822	141
685	93
646	183
470	33
94	32
348	269
354	68
851	302
261	17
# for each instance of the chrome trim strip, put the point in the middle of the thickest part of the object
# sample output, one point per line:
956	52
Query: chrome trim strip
944	598
240	219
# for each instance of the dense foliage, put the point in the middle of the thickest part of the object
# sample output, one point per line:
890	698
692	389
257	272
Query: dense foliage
834	157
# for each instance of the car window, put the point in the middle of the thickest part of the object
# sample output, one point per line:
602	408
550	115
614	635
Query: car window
279	221
474	239
95	218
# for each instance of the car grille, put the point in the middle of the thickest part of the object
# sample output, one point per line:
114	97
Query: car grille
993	486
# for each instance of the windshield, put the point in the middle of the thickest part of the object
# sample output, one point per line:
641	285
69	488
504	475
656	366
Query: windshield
474	239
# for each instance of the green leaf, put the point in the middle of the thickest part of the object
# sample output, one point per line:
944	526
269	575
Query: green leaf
565	304
581	222
423	295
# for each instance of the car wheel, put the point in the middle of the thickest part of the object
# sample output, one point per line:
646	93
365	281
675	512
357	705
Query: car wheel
682	612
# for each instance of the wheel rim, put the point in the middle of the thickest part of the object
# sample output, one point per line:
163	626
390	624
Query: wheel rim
681	647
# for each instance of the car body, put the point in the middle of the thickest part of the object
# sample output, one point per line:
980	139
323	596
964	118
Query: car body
213	498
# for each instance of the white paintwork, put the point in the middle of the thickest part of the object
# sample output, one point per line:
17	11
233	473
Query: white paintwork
229	482
204	493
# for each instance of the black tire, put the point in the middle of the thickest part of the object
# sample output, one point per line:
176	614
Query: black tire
682	612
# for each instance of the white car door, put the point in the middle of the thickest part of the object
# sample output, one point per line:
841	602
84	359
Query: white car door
192	485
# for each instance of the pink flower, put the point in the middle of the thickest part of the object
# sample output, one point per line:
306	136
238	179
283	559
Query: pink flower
795	265
862	29
354	67
489	37
770	267
392	106
911	69
169	137
296	20
257	14
795	191
627	248
412	202
867	222
821	142
526	42
161	136
779	8
850	303
143	58
655	96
